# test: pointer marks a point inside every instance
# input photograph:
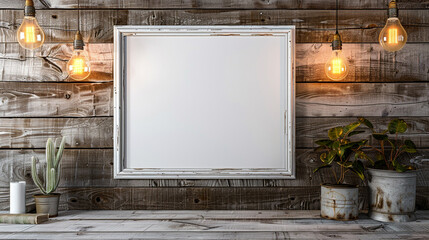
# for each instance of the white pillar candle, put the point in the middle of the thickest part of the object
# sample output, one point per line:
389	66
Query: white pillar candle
17	197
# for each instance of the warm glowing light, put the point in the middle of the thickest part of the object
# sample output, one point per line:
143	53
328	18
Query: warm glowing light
336	68
78	66
393	36
30	35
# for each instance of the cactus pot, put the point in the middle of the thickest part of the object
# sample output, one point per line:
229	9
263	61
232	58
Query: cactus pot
47	204
339	202
392	195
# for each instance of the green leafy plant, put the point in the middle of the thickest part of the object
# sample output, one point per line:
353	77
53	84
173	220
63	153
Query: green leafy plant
391	147
343	153
52	174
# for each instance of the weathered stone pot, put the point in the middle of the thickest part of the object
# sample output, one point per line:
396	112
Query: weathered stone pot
47	204
339	202
392	195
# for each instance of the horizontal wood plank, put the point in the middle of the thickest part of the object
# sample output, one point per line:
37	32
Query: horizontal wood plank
79	132
48	64
55	99
242	235
94	168
215	4
308	130
265	198
216	225
98	132
192	198
368	63
203	225
355	26
362	99
250	215
195	198
312	99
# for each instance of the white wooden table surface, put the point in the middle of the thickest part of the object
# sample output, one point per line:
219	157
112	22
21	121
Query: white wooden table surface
212	225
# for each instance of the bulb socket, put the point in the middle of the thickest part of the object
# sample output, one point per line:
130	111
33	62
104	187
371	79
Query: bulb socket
393	10
29	9
78	41
337	44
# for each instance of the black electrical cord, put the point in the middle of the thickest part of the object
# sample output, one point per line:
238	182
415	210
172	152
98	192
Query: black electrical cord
78	15
336	18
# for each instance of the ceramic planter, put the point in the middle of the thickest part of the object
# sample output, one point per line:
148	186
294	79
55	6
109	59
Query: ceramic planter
339	202
392	195
47	204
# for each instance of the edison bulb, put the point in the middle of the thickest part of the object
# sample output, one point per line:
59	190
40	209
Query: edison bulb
78	66
30	35
393	36
336	68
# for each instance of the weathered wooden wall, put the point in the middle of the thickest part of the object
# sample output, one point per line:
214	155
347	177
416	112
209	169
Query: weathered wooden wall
38	101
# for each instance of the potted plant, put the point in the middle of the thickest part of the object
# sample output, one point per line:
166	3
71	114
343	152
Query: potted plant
48	201
392	184
339	201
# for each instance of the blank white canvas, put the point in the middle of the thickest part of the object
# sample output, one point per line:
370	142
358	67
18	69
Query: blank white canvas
205	102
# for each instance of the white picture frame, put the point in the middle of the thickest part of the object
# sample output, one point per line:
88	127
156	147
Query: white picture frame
145	92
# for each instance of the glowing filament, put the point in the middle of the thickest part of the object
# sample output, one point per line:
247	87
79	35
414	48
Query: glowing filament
336	66
393	35
78	66
30	36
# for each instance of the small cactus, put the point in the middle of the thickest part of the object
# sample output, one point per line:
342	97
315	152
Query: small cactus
52	176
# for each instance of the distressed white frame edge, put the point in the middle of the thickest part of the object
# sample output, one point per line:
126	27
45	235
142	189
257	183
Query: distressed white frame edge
119	172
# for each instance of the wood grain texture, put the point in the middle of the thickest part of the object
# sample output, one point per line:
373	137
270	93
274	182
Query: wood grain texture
355	26
214	225
213	235
20	99
368	63
79	167
362	99
94	168
88	184
79	132
48	64
35	91
265	198
250	215
312	99
308	130
215	4
192	198
98	132
29	200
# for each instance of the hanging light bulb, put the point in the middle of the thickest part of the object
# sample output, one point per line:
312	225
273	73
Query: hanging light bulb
78	66
393	36
336	68
30	35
